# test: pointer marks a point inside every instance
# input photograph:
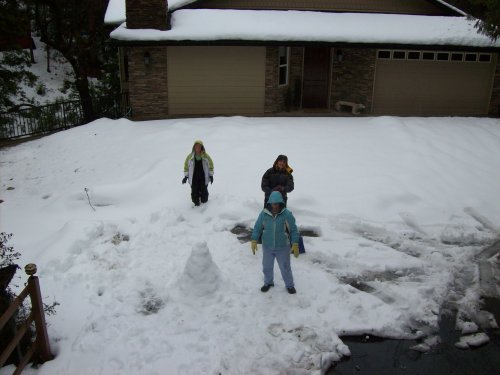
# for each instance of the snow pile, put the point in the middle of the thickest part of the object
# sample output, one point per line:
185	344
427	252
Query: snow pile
473	340
149	284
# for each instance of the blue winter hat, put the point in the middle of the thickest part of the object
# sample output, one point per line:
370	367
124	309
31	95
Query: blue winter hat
275	197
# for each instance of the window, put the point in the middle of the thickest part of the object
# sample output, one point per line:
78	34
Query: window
428	55
484	57
384	54
414	55
455	56
399	55
283	65
471	57
443	56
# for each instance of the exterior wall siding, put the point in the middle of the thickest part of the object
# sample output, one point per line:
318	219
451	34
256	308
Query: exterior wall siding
148	92
379	6
495	93
353	77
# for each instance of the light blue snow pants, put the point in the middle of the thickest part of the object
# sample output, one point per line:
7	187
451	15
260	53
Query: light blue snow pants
282	256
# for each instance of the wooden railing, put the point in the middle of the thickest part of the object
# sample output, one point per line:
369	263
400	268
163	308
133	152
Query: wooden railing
40	348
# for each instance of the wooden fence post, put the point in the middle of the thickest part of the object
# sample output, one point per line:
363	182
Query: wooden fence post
42	338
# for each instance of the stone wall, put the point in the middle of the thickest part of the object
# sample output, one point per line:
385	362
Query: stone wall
272	93
148	90
495	93
287	97
353	76
147	14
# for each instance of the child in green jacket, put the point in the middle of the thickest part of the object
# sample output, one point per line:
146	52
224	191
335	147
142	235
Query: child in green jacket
199	170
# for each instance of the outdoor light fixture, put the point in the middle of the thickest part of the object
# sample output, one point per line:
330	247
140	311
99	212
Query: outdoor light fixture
340	56
147	59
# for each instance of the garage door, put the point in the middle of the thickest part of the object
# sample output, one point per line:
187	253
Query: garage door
433	83
216	80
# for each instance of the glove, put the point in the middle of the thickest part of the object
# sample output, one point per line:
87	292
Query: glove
253	245
184	180
211	179
295	250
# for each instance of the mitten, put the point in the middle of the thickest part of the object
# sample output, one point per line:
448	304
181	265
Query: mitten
211	179
253	246
184	180
295	250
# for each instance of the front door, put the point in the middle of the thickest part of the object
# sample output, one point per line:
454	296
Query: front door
316	77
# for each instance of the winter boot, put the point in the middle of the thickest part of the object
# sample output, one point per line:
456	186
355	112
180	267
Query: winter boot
266	287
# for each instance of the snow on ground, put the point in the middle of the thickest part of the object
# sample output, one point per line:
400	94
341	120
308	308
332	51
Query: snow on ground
49	87
149	284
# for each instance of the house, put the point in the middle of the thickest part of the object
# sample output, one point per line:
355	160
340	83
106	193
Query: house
243	57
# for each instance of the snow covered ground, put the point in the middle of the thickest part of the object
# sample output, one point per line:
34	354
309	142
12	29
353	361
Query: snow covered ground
149	284
50	84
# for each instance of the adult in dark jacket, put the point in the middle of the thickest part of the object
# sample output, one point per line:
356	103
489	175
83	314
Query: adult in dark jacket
278	178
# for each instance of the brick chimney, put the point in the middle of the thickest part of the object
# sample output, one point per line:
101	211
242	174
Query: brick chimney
147	14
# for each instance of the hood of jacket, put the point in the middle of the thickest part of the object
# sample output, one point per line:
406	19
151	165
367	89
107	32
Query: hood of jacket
199	143
284	158
275	197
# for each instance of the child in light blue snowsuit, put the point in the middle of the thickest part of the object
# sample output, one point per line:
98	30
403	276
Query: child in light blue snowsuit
274	223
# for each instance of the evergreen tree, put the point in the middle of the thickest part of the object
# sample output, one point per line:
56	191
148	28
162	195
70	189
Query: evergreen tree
490	22
14	23
486	11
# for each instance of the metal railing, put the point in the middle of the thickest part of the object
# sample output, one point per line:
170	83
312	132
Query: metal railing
40	348
32	120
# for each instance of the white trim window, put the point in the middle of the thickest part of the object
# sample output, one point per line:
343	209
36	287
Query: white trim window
442	56
284	57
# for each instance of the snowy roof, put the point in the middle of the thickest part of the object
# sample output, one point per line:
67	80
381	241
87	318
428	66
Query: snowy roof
116	11
308	26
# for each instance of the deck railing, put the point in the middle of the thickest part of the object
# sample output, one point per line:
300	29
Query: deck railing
40	348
